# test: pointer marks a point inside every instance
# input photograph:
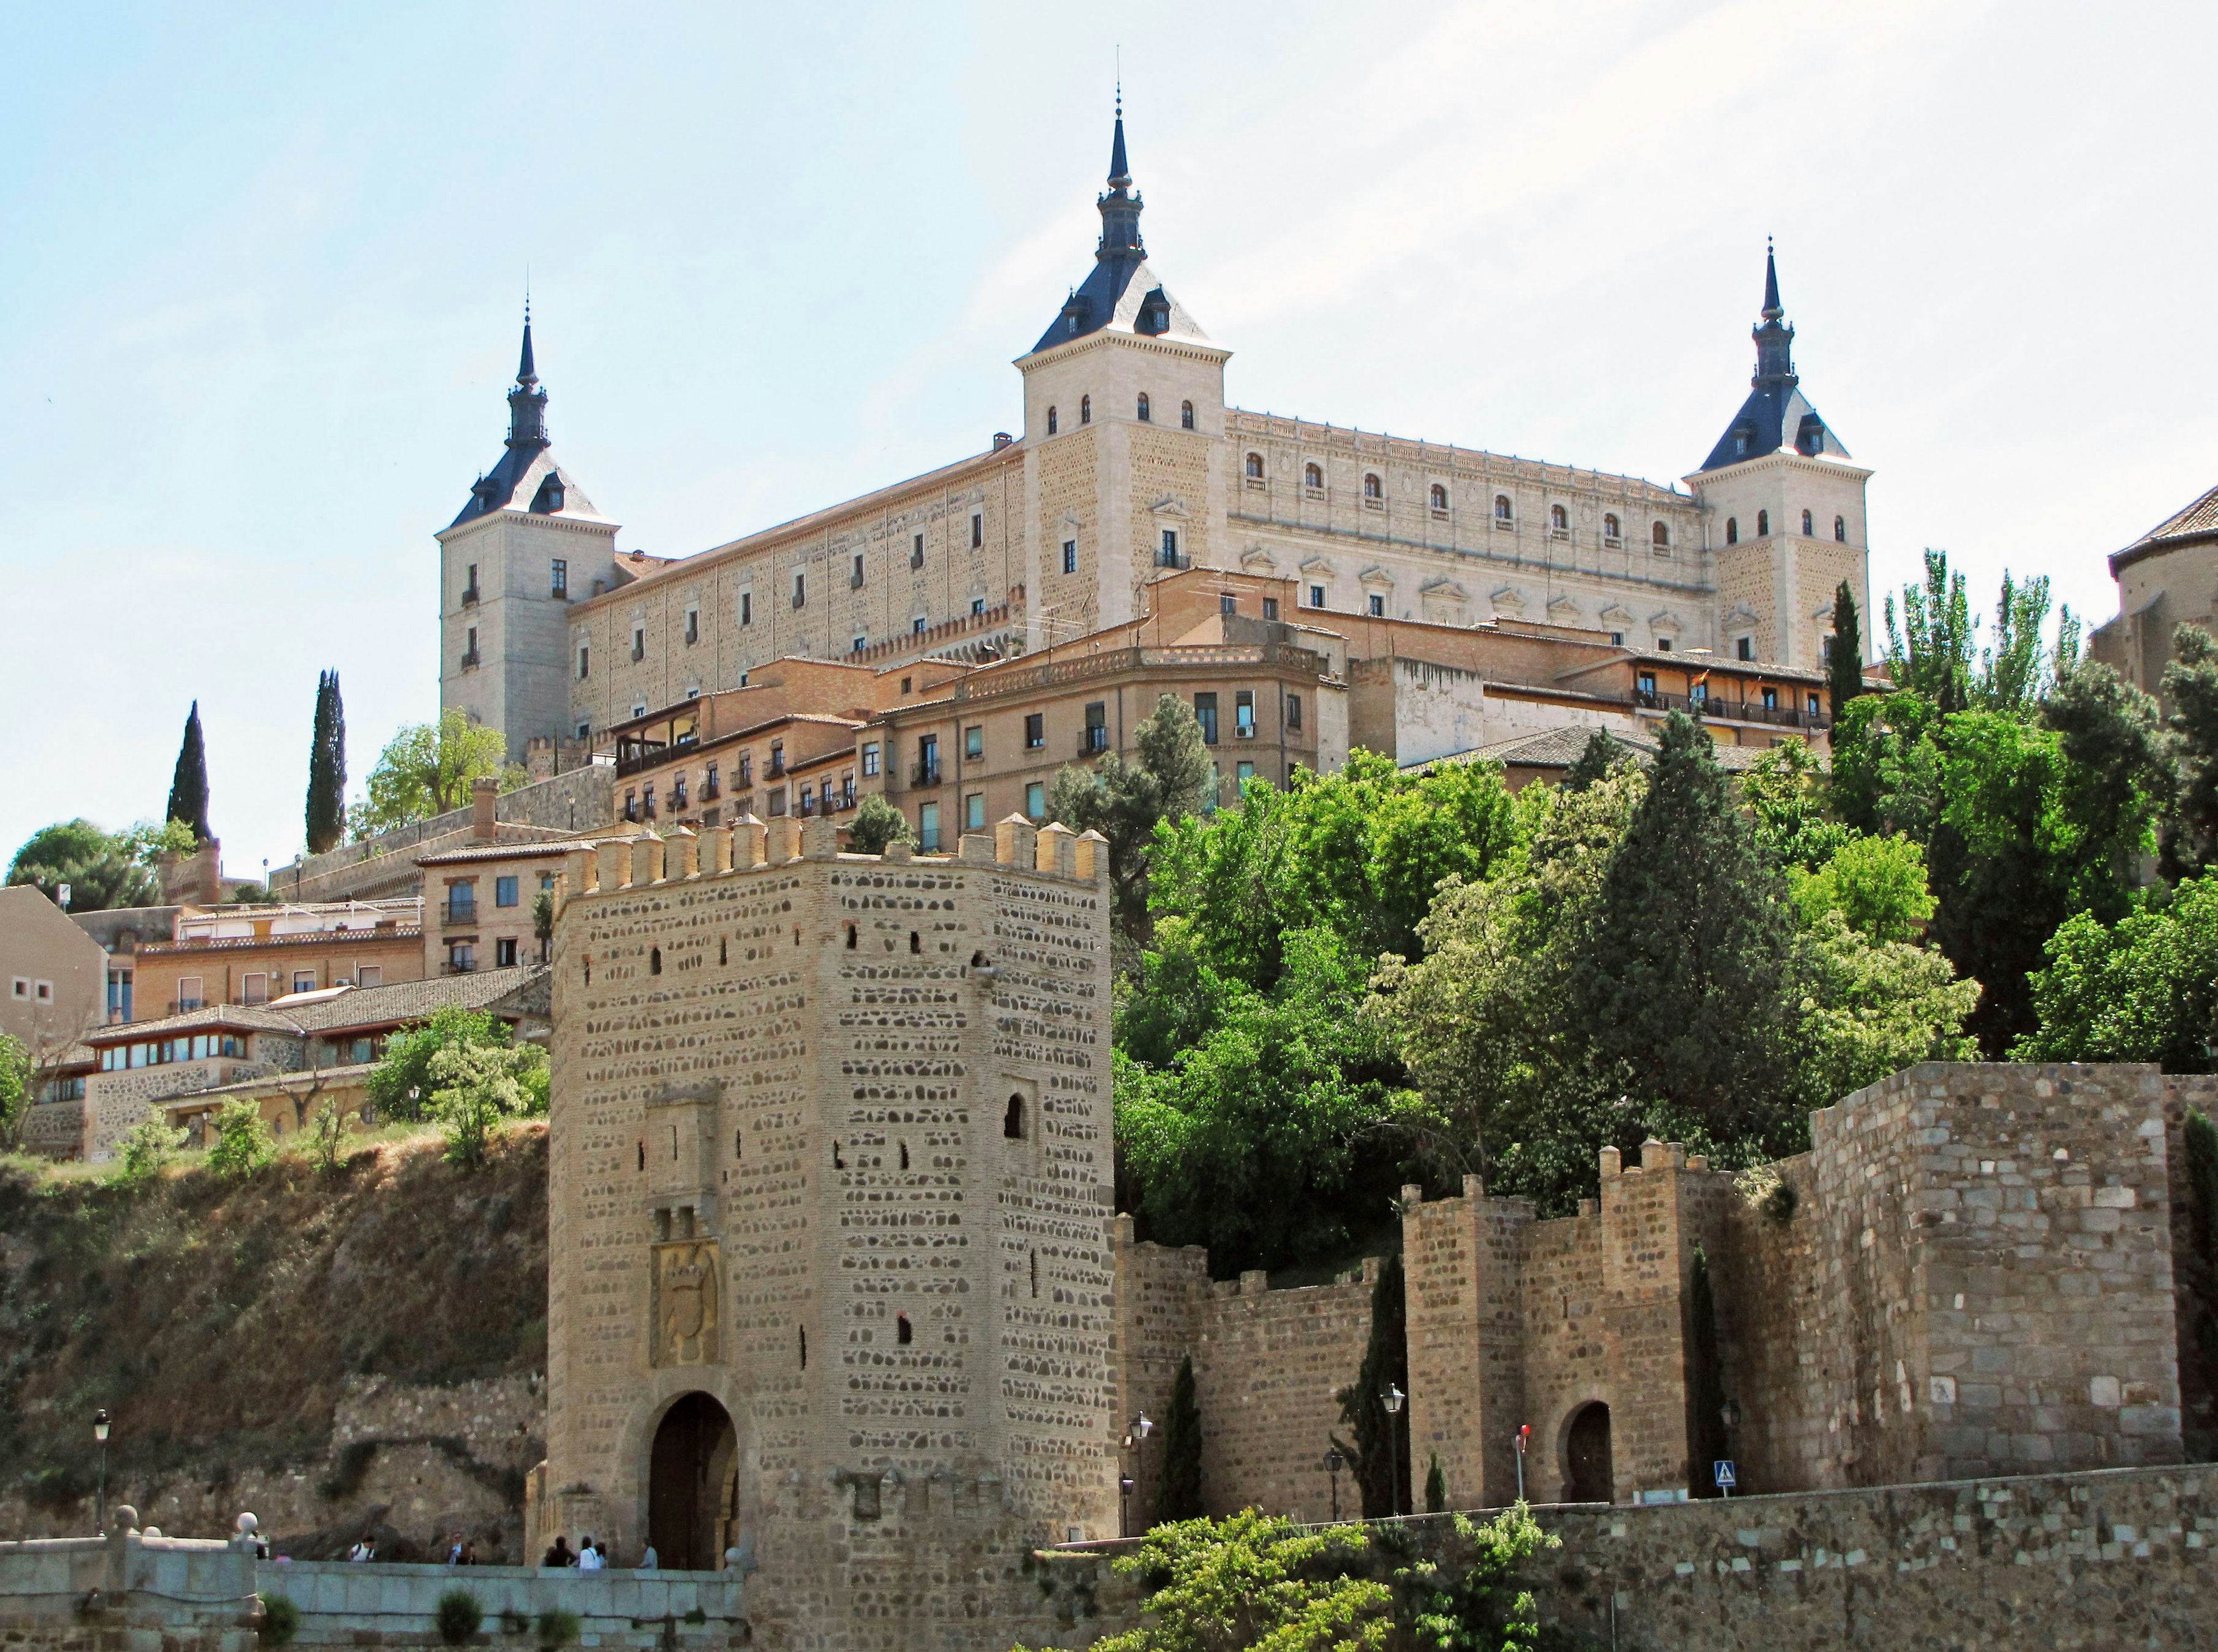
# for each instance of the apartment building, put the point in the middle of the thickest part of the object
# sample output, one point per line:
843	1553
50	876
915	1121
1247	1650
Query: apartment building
241	954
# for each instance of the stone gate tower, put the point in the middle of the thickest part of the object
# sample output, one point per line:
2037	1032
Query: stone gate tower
830	1197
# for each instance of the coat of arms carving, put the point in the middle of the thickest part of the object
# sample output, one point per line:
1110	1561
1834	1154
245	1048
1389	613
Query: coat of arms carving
686	1295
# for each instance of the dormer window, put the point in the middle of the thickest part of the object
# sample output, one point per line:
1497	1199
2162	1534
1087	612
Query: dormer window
549	500
1143	407
1154	315
1740	445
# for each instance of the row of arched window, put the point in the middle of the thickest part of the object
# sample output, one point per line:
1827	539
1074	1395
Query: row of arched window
1143	410
1374	489
1763	527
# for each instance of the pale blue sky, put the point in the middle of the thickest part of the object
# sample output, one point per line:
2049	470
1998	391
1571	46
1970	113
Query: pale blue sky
263	271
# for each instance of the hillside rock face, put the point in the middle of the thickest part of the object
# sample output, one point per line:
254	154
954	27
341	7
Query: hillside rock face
359	1351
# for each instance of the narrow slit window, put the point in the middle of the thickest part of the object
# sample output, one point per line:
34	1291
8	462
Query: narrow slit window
1012	1121
903	1332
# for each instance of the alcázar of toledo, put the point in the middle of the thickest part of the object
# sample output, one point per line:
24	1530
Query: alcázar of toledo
843	1318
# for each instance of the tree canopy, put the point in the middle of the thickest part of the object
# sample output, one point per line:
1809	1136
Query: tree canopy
104	870
429	769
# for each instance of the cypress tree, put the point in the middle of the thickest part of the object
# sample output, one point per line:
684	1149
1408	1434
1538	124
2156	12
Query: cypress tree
1595	760
1178	1493
1381	1460
1685	980
327	767
189	788
1844	673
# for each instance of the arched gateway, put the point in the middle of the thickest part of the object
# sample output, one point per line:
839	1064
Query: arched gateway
1588	1475
692	1488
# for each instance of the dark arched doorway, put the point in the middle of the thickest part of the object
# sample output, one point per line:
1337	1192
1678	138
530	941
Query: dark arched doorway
1587	1478
693	1513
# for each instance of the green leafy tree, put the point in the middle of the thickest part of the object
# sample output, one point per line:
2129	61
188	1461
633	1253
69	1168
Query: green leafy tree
878	823
189	786
1872	1008
1270	1138
401	1085
104	870
477	1086
1931	654
1877	884
148	1146
2190	688
1171	776
1178	1491
2143	989
1475	1596
1686	981
429	769
241	1143
329	1134
1254	1580
2117	776
1487	1023
1844	666
16	1080
1595	760
327	774
1786	795
1380	1454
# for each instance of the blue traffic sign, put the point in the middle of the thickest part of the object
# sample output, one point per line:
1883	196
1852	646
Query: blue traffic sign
1723	1469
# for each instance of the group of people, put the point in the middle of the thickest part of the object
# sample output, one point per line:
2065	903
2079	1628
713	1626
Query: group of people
590	1557
461	1550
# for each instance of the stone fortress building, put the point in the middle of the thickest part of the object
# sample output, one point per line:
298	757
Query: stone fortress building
838	1294
1131	464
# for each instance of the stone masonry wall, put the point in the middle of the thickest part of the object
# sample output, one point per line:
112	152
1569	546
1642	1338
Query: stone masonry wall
2083	1563
1268	1365
830	1144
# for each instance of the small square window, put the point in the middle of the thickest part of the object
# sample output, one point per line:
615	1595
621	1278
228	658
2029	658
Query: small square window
1035	730
1036	800
1745	649
1316	596
1377	606
1293	711
974	812
974	742
304	980
369	975
916	625
504	953
870	757
1270	607
977	608
504	891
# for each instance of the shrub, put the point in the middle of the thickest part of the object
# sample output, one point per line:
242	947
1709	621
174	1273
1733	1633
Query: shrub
281	1620
151	1143
878	823
243	1143
353	1468
557	1628
457	1615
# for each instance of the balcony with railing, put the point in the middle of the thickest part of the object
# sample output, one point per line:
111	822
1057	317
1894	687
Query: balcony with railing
470	595
470	660
1718	707
1092	740
456	913
924	772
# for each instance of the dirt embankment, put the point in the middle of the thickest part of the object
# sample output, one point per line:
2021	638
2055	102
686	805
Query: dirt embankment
362	1349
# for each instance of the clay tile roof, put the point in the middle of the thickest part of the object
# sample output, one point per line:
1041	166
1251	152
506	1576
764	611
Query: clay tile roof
412	1000
2198	521
1559	748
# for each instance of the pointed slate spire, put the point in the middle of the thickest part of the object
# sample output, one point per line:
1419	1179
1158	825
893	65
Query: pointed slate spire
1774	340
1120	170
527	403
1120	207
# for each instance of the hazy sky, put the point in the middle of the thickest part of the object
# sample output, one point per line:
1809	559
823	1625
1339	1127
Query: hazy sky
263	267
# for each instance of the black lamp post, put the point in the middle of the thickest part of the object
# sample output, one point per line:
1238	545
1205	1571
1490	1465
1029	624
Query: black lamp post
1136	1434
1334	1462
100	1434
1391	1398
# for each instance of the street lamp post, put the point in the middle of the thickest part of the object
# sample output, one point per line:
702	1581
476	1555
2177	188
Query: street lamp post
1135	1435
1391	1398
100	1434
1334	1462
